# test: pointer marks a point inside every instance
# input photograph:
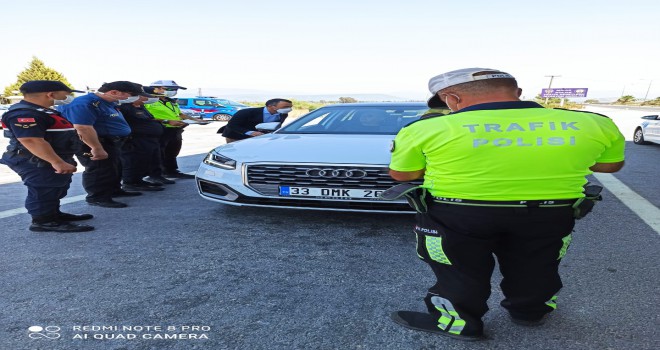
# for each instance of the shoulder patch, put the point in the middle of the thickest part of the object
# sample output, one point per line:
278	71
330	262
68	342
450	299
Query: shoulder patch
574	110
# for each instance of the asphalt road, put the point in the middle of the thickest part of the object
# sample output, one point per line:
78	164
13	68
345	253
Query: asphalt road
245	278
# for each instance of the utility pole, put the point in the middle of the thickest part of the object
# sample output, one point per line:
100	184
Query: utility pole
199	92
647	90
552	77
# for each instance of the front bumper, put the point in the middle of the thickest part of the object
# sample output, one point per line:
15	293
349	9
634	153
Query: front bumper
229	187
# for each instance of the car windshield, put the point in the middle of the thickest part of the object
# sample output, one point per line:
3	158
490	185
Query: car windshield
383	120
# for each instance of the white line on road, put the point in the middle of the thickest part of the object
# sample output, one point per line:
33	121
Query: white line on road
648	212
65	200
12	212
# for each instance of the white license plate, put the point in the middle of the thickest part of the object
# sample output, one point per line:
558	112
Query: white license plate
320	192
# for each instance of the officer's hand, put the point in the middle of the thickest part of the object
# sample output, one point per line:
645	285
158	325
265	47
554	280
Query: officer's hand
64	168
256	133
98	154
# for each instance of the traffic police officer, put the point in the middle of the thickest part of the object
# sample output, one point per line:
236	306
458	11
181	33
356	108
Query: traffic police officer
103	130
141	152
41	148
167	110
503	177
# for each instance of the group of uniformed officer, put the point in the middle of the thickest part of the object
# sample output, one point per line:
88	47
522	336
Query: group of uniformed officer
119	134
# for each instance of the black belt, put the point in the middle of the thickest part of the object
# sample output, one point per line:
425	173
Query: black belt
145	135
23	153
522	203
20	152
113	138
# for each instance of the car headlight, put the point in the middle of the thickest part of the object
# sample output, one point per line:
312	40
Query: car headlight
219	161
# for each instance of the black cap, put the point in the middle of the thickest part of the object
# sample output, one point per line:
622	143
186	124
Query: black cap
150	90
124	86
35	86
436	102
144	92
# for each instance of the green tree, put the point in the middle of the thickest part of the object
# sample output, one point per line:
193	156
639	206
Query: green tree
655	102
591	101
625	99
36	70
347	100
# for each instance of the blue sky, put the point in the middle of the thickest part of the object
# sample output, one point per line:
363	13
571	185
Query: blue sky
308	47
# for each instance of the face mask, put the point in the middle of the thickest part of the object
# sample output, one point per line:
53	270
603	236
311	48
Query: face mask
284	110
170	93
129	100
151	100
65	101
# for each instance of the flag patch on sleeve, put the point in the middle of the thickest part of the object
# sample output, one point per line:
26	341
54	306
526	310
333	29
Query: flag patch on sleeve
25	120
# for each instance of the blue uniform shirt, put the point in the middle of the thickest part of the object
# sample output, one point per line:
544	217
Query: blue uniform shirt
270	117
102	115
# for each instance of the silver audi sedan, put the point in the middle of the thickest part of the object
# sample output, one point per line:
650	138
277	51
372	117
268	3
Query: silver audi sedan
334	158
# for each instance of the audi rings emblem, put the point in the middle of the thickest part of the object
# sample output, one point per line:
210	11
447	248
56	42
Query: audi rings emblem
336	173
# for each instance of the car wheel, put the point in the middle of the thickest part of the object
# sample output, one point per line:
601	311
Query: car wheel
638	138
221	117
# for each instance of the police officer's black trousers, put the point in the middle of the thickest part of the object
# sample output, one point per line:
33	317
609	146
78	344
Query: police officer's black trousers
45	187
459	242
138	156
101	178
170	145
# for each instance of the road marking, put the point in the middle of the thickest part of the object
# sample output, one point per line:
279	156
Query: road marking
65	200
12	212
648	212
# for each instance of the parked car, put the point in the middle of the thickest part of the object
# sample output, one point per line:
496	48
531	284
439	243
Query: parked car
231	103
648	131
191	113
209	107
333	158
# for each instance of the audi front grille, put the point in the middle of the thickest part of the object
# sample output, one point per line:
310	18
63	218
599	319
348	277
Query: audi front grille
266	178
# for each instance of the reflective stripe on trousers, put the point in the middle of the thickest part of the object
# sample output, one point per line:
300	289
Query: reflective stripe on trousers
449	321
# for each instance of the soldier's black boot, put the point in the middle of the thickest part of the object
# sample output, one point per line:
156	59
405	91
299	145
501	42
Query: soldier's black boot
59	226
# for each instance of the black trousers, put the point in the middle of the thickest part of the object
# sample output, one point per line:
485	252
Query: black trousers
45	186
101	178
138	156
170	146
460	242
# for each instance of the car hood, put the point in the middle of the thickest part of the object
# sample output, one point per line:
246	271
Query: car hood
311	148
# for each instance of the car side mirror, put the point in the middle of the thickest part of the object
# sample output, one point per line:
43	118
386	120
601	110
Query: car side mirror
651	117
268	127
